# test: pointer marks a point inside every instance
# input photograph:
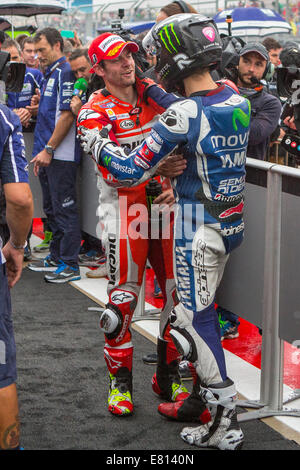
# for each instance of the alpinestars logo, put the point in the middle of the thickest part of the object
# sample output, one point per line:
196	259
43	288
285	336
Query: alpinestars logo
182	61
169	38
120	297
111	362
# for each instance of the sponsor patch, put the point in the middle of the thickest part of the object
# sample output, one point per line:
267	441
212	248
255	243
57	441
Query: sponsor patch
238	209
140	162
123	116
146	152
111	114
209	33
50	83
127	124
115	50
152	144
107	105
108	42
157	137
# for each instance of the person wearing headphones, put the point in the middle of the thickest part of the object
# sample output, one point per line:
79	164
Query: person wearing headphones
265	108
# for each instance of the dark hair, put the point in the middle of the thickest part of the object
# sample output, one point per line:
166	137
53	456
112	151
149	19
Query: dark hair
52	35
2	37
271	43
79	52
174	8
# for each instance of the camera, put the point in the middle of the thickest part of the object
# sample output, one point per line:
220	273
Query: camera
116	26
11	73
288	87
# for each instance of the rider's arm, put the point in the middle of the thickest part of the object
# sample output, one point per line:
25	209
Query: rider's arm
130	169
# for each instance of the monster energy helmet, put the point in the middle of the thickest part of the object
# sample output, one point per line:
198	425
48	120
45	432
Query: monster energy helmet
183	43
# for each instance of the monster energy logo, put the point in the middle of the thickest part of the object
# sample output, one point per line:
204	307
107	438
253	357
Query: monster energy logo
241	116
167	41
107	160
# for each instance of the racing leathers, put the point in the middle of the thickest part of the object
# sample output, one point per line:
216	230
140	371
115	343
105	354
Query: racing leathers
124	216
212	129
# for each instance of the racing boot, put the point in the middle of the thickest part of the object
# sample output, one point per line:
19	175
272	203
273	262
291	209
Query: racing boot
193	408
120	392
166	381
222	431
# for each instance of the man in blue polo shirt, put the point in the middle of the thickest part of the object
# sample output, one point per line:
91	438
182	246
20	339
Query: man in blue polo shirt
56	156
19	102
19	209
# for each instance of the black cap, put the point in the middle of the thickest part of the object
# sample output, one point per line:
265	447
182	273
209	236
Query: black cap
255	47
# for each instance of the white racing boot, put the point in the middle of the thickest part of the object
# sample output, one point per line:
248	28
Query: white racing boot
222	431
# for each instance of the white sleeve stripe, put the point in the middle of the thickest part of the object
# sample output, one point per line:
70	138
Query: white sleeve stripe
34	79
13	160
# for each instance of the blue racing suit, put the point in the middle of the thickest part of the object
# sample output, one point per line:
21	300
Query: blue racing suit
211	128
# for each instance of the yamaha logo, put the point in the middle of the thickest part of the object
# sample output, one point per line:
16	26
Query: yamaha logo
127	124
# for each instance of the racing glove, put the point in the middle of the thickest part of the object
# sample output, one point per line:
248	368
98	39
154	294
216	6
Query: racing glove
143	84
93	140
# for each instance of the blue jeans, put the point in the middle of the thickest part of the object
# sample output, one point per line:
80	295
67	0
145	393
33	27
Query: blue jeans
8	368
58	182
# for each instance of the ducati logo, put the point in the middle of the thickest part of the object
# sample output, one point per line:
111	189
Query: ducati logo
182	61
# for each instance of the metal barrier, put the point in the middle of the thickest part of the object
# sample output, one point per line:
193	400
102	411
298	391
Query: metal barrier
271	388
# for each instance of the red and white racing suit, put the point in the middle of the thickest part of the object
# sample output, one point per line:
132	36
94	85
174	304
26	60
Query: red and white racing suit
125	220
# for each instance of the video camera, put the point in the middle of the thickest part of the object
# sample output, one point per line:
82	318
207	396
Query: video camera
11	73
116	26
288	86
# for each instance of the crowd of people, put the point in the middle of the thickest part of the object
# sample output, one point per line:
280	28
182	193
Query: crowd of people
183	125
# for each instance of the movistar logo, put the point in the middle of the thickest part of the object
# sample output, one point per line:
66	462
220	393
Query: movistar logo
241	116
107	160
167	35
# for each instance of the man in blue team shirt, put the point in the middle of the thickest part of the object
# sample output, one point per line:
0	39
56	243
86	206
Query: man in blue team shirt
56	157
20	102
19	209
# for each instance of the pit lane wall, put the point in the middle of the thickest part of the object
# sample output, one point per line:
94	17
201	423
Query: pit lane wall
266	265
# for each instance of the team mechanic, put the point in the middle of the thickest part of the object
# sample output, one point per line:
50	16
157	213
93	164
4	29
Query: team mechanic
213	125
122	105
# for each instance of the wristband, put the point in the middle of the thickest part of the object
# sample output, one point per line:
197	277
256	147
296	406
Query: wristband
18	247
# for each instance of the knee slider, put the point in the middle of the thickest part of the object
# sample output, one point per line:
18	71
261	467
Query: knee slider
111	321
184	343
